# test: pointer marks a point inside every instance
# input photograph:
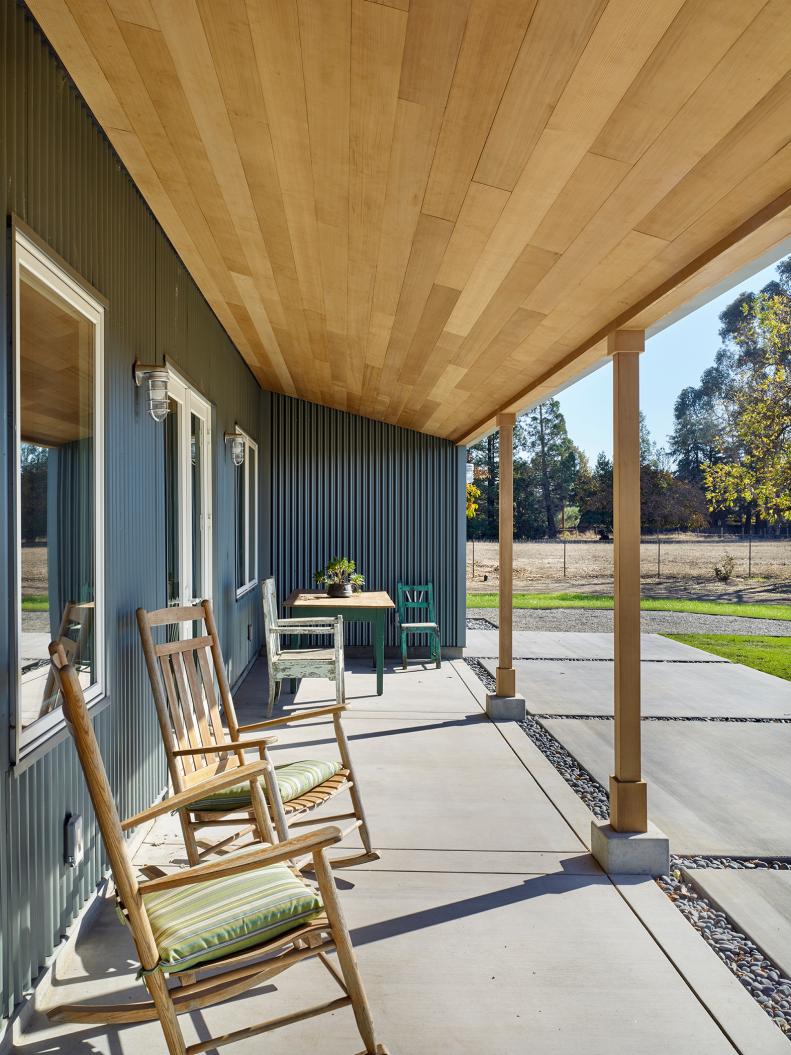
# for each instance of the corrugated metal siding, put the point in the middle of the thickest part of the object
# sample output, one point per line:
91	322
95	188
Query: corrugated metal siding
60	175
389	498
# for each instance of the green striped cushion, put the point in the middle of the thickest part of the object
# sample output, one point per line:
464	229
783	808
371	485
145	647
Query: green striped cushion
293	779
205	921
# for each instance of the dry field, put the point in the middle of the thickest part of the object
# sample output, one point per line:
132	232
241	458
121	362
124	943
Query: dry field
675	565
34	570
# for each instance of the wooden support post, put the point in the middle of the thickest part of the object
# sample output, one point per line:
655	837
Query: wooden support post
628	798
506	676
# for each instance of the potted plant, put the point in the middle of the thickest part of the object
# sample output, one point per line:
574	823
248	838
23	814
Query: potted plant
340	578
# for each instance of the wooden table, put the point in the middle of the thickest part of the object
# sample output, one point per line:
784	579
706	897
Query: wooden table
361	607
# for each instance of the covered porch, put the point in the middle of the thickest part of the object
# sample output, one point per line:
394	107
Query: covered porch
486	925
358	236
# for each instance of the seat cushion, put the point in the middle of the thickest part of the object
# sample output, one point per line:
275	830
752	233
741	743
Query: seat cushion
204	922
293	779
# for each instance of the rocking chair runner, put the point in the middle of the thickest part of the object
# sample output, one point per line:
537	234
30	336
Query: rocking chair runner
243	919
203	738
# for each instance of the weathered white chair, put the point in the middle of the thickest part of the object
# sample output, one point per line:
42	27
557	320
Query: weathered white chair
290	664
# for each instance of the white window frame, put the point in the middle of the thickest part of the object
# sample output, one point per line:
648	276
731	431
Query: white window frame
30	257
251	480
191	402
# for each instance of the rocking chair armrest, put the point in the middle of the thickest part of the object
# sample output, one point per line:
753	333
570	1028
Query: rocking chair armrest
309	843
196	792
300	716
229	747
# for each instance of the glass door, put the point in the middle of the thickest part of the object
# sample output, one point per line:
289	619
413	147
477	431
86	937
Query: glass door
187	495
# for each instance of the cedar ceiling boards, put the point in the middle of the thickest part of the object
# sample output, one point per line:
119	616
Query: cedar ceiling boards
428	211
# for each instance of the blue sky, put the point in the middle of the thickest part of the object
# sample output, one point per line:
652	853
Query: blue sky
673	359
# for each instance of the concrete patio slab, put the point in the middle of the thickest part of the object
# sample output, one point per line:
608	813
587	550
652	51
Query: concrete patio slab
669	689
713	787
485	928
758	901
538	644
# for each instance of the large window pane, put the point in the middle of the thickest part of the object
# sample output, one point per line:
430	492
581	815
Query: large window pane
246	497
56	491
240	473
172	499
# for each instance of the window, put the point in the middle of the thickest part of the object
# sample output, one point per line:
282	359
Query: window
246	516
188	494
58	434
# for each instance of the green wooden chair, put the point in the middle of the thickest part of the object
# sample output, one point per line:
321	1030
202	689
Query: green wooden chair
412	601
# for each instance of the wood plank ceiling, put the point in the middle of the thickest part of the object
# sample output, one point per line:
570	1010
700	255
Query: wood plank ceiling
427	211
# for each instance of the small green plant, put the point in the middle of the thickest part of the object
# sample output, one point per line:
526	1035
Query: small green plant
340	571
723	572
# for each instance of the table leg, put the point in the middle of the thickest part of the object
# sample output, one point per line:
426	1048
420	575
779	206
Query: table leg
379	651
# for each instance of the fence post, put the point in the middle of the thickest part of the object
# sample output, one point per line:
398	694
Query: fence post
473	558
749	556
564	558
658	557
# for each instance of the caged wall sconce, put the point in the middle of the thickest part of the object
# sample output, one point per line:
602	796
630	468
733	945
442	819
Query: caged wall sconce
236	440
157	377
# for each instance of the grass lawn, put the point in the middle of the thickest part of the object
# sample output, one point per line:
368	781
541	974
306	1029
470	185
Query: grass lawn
648	604
770	654
35	602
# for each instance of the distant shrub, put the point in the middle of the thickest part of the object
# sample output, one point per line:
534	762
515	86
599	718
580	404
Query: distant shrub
723	571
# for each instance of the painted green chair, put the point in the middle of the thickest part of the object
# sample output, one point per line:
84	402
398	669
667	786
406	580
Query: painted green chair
416	615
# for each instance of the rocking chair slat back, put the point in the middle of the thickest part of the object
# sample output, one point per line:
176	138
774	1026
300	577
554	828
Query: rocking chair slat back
182	675
79	724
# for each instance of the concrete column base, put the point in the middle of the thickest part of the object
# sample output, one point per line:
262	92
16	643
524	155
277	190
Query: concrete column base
506	708
630	853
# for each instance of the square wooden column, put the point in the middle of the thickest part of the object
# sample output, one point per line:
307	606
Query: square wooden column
506	676
628	798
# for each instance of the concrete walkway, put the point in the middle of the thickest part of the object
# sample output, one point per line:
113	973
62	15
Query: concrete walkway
485	929
572	674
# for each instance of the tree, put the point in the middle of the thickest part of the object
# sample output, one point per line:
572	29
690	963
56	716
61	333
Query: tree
698	419
473	494
34	462
554	457
755	444
596	511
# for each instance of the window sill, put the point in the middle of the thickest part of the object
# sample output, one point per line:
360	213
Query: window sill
36	747
244	590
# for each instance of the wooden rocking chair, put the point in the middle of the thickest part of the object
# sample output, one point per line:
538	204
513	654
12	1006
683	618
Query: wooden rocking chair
222	927
202	738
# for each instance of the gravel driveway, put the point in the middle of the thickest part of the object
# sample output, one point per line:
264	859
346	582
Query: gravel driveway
593	620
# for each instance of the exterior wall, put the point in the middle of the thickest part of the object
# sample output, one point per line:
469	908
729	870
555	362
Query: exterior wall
60	176
389	498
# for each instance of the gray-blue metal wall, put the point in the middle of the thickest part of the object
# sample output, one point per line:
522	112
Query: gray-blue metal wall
330	483
59	175
389	498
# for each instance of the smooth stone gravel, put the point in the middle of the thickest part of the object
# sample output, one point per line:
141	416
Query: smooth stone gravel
601	620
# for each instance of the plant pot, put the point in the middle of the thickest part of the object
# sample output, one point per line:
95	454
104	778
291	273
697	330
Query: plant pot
339	589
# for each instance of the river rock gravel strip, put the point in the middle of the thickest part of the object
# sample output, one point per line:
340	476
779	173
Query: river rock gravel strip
600	620
759	975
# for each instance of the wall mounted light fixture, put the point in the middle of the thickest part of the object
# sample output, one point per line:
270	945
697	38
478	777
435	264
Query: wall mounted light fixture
236	440
157	377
